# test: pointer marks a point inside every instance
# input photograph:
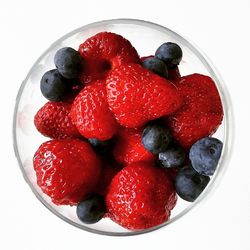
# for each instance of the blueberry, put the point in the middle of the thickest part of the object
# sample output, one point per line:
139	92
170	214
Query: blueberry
189	184
53	86
205	154
157	66
170	53
172	157
156	138
101	146
68	62
91	210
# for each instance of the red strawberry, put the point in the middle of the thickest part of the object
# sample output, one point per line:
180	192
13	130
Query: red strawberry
201	113
91	115
129	148
140	196
103	52
109	170
53	120
67	170
136	95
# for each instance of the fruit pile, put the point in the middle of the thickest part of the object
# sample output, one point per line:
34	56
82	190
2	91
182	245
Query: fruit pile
128	134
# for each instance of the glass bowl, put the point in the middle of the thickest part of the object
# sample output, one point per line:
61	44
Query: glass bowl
145	37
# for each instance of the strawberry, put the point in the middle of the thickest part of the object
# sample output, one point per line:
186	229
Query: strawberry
90	113
109	170
53	120
66	169
136	95
129	148
140	196
103	52
201	113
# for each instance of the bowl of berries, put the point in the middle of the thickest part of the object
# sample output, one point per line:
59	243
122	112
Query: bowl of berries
122	126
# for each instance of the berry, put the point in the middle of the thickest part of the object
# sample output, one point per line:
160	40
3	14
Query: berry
91	210
155	65
53	120
173	74
171	173
140	196
53	86
205	154
136	95
68	62
143	58
67	170
156	138
109	170
91	115
170	53
172	157
189	184
129	148
101	147
201	112
104	52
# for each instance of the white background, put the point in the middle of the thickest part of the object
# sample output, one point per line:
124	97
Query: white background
220	28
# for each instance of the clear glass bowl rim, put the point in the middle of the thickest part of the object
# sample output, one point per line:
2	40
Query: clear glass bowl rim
228	127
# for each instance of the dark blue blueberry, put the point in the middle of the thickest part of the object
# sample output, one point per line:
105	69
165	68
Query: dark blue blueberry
170	53
172	157
68	62
205	154
91	210
157	66
54	86
156	138
189	184
101	146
